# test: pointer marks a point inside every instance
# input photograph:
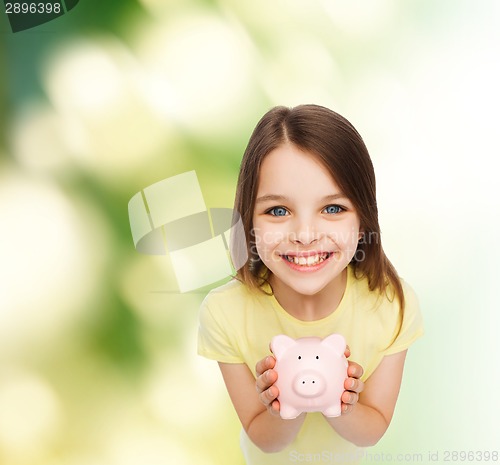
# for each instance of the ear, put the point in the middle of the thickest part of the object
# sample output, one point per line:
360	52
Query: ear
280	344
335	342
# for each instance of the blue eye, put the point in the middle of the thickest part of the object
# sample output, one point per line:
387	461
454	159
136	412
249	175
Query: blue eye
277	211
333	209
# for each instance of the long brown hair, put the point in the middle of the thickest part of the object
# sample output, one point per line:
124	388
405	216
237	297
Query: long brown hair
339	147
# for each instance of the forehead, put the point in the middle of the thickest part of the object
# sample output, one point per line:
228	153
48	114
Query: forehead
290	170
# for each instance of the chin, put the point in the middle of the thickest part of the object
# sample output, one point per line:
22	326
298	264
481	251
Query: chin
305	288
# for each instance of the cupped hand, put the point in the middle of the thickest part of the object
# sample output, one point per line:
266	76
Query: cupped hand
353	385
266	377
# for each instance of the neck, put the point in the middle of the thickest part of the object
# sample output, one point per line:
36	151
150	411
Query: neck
310	307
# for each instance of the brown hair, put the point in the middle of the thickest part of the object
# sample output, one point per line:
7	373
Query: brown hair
339	147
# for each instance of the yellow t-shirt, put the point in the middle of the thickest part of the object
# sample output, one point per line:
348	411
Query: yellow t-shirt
237	324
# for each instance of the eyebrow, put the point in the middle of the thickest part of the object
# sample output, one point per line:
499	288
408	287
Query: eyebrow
282	198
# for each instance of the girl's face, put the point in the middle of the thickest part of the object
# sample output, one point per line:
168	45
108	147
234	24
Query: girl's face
306	230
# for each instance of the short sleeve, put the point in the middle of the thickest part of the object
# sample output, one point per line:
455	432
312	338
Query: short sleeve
412	327
214	340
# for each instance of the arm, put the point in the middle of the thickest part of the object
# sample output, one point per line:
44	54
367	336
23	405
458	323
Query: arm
265	428
256	404
369	418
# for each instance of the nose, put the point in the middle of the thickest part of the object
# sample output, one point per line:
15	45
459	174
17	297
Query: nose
304	233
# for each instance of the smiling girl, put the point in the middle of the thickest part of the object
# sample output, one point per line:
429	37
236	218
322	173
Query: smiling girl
306	196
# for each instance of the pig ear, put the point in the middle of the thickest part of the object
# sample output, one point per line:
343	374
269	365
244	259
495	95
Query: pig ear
335	342
281	343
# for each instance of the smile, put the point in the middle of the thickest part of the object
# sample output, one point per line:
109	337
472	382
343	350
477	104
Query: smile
310	260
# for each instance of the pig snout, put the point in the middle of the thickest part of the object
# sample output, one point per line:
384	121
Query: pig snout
309	384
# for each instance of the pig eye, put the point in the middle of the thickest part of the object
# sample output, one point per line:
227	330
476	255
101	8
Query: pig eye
299	357
317	357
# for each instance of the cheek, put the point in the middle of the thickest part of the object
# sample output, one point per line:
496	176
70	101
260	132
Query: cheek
346	238
268	235
266	241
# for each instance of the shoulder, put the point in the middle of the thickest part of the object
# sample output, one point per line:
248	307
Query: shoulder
233	290
233	300
410	321
221	322
412	316
384	309
411	299
386	302
365	299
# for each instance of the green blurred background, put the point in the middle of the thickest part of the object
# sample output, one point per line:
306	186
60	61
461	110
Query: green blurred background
98	359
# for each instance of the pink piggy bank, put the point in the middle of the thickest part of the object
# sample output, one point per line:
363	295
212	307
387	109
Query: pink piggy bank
311	374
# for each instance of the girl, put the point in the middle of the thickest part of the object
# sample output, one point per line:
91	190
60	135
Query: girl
306	196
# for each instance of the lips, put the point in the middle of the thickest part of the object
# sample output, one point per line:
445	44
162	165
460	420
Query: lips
308	259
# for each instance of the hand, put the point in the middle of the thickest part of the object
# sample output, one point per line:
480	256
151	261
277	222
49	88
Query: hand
266	377
353	385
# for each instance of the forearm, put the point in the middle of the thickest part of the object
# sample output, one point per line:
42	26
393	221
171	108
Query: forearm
363	426
271	434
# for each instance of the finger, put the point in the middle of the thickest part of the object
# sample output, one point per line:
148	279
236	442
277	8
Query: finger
347	408
265	364
260	366
354	370
347	351
267	379
268	397
349	398
354	385
275	407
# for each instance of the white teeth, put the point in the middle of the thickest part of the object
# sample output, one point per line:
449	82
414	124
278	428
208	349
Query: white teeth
307	261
